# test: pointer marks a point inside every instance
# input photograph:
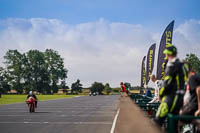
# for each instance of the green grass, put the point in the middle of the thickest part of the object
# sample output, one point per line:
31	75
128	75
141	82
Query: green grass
9	99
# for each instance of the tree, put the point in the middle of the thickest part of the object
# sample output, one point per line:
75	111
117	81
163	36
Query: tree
37	71
64	87
14	62
36	77
107	88
97	87
55	68
4	81
77	87
194	61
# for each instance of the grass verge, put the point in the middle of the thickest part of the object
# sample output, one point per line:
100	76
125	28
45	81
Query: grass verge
9	99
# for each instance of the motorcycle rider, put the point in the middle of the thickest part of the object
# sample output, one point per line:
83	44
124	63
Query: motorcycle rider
172	92
31	94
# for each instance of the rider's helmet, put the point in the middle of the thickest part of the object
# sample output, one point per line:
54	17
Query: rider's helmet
30	93
170	50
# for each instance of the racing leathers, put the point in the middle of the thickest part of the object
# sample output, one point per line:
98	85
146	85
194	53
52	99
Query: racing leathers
172	92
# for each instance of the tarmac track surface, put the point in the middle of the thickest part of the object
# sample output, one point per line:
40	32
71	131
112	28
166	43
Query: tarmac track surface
85	114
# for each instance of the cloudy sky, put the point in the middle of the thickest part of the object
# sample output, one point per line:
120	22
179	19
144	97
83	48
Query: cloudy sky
100	40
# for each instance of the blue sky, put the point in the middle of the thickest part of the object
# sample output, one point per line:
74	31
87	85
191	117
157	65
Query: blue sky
100	40
147	12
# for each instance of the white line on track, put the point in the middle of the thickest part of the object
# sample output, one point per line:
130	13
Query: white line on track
61	123
114	122
12	115
36	111
41	111
96	115
79	107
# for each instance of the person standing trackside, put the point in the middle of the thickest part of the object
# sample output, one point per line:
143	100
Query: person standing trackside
123	90
192	103
158	86
172	92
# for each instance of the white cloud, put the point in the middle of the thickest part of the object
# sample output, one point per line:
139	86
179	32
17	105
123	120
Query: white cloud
95	51
187	37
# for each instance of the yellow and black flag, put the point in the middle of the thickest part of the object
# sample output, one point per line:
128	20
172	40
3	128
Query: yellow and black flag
150	62
143	73
165	41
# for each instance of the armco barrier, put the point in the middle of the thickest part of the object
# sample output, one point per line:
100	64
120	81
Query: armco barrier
173	118
142	102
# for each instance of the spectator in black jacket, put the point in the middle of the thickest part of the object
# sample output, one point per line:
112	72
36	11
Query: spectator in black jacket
192	95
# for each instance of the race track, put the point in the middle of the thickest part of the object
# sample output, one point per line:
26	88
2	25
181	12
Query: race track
83	114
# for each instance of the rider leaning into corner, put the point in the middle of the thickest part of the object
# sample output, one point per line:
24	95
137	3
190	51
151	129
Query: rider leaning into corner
31	94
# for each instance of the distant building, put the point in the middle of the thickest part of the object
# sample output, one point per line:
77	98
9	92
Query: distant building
60	91
12	92
64	91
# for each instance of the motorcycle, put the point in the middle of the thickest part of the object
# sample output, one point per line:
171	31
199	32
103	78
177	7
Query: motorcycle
31	104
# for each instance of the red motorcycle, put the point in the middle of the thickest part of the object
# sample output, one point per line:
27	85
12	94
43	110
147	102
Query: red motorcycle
31	104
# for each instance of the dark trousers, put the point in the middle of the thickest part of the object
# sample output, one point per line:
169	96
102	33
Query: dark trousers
169	104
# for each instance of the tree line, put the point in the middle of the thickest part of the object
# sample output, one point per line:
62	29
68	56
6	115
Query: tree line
43	72
97	87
